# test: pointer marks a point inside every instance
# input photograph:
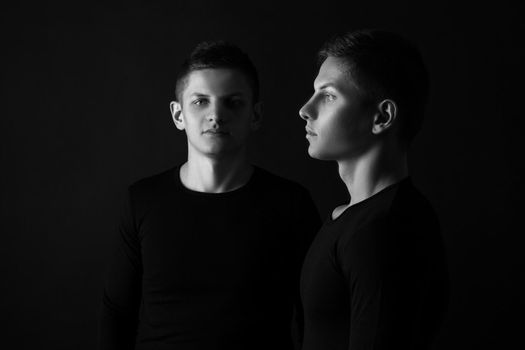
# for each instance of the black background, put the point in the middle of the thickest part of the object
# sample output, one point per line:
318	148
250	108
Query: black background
85	112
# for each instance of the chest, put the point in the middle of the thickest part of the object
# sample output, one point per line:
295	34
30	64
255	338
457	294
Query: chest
324	289
212	245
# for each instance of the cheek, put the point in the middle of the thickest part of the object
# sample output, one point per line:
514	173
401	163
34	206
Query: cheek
243	119
193	127
333	123
194	119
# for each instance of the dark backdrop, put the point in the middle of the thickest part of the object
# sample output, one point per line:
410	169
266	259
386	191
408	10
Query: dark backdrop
85	94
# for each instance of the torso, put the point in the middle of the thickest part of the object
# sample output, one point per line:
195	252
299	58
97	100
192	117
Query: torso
382	241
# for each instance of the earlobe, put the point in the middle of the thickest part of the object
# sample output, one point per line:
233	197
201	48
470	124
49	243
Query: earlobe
176	114
385	116
257	116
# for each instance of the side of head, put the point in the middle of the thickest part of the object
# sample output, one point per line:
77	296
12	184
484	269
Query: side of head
217	55
387	68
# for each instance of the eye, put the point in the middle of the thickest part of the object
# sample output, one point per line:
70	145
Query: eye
235	102
200	101
329	97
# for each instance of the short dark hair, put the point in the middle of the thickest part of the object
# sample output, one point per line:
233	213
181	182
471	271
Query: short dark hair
217	54
385	65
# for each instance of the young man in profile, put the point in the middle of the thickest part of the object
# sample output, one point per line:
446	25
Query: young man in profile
209	253
375	275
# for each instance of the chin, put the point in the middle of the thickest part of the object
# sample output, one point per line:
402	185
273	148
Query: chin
314	154
224	151
318	154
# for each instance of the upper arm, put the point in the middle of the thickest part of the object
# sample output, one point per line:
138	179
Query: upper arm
122	287
125	264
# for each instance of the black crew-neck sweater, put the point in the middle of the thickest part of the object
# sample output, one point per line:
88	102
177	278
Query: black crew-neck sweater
376	277
193	270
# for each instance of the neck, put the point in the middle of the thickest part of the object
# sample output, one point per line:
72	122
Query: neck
380	167
215	175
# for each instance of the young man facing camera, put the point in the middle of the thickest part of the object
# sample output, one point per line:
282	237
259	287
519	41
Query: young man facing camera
375	275
209	252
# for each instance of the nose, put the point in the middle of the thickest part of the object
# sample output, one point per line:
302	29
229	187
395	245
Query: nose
306	111
217	113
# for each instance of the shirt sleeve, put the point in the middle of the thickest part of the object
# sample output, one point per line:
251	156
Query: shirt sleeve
122	289
383	278
307	222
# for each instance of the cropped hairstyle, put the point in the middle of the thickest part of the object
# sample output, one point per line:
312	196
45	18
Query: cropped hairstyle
385	66
217	54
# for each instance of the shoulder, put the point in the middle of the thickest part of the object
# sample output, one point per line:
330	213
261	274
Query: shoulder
405	223
288	200
153	185
273	183
391	219
401	229
282	194
401	207
411	210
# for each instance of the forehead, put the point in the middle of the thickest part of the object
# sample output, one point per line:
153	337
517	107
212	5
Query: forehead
335	72
216	81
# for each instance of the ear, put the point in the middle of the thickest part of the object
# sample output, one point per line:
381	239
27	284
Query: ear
176	114
257	116
385	116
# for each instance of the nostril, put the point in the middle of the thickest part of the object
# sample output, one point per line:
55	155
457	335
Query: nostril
303	114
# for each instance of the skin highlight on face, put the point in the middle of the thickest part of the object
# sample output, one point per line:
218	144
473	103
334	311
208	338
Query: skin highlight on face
338	116
216	112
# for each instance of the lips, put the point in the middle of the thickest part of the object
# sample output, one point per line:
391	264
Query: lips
216	132
310	132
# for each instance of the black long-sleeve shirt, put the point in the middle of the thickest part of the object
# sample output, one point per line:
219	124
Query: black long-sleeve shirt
195	270
375	277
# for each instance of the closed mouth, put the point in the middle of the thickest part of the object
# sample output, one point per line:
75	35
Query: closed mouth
217	132
310	132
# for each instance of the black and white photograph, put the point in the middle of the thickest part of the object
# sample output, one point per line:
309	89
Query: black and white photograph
233	175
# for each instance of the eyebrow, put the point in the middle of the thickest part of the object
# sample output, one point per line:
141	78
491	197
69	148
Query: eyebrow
327	85
233	94
198	94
